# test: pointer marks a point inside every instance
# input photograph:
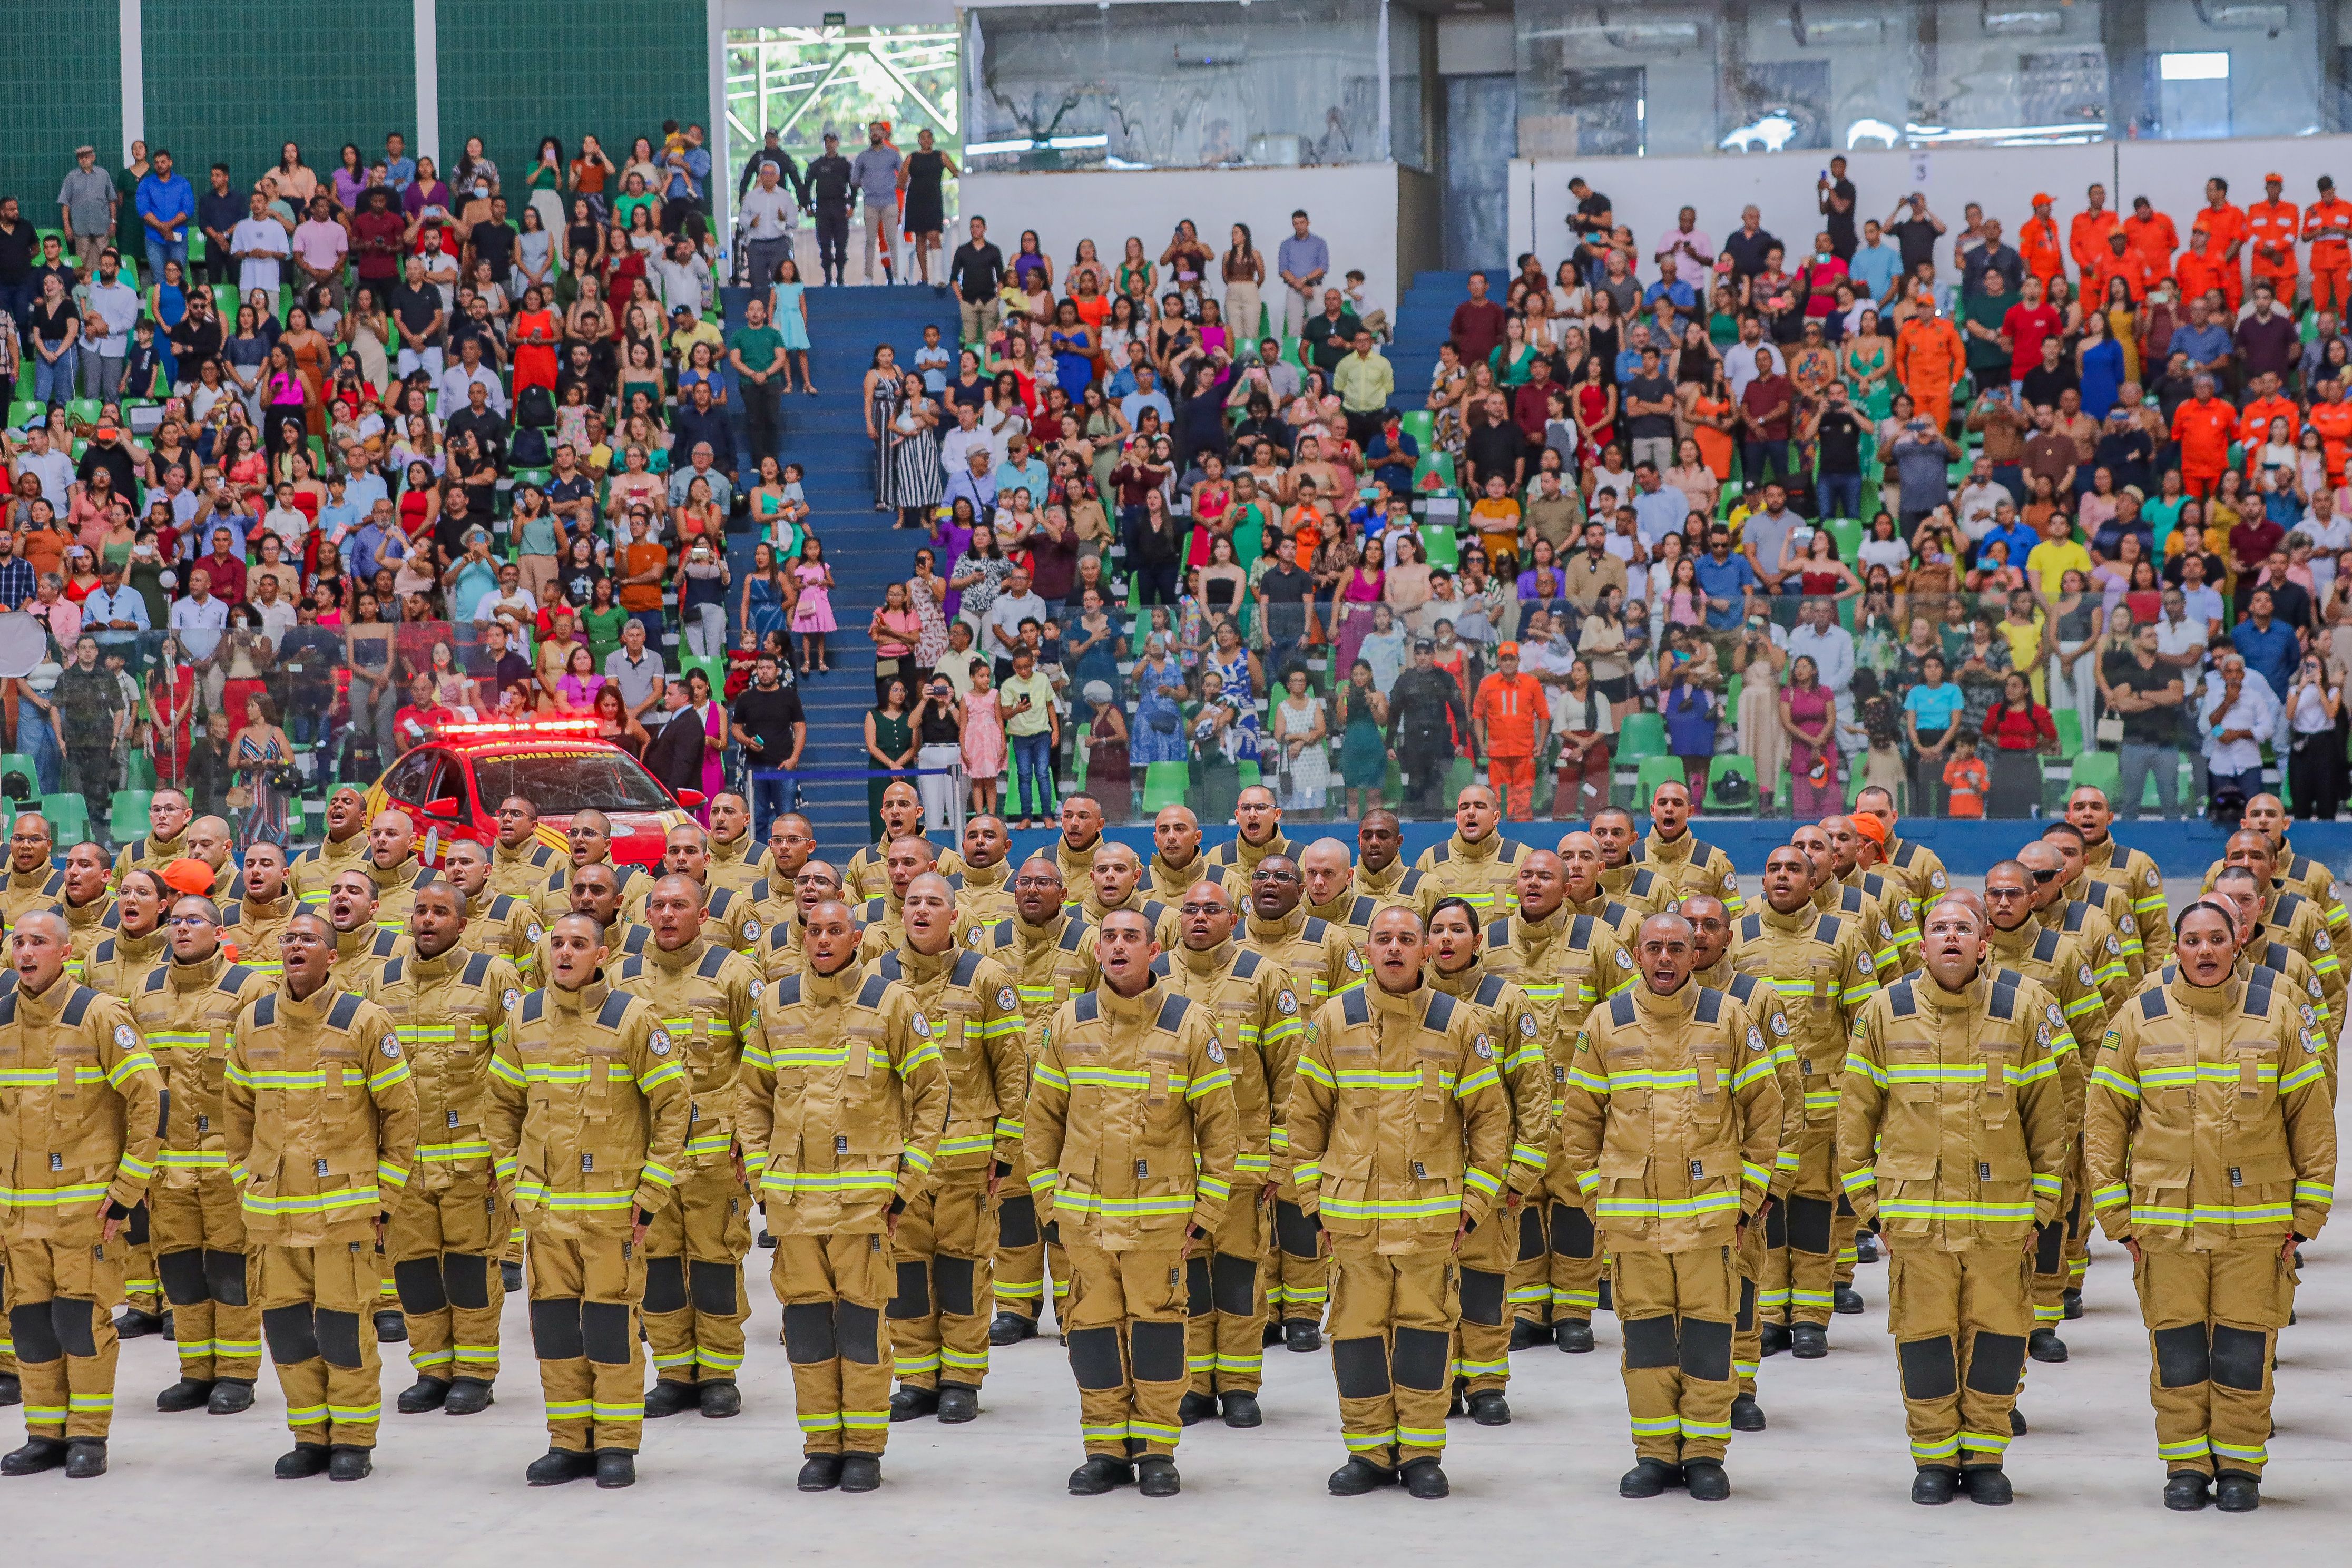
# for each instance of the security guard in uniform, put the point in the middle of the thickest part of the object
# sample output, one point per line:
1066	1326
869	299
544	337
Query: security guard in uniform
264	904
1622	878
1671	1124
1250	1000
186	1009
786	949
1672	851
1131	1139
322	1138
1112	883
79	1103
346	843
2058	963
1824	973
2133	870
1258	817
520	860
728	920
844	1105
1915	865
587	1117
707	997
1050	951
496	924
1176	860
986	896
1567	963
1952	1134
1476	863
2211	1154
1713	931
1401	1140
945	1243
2290	917
902	817
32	884
453	1007
1482	1367
168	817
1319	963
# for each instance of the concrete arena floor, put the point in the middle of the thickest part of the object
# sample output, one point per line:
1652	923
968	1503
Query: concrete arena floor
1827	1482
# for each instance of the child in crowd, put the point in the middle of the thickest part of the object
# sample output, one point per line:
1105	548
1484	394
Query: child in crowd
1966	779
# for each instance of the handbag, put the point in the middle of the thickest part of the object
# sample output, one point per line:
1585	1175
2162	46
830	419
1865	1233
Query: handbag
2110	730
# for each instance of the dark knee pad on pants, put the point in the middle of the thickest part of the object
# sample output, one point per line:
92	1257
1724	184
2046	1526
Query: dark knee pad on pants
712	1287
1776	1226
956	1280
913	1298
1360	1367
555	1327
808	1331
1094	1359
665	1285
292	1334
339	1337
1156	1350
1293	1231
1995	1363
1482	1297
606	1333
1809	1225
2240	1357
466	1277
1704	1349
1531	1235
1016	1222
1571	1231
224	1278
1233	1284
182	1275
1199	1296
1650	1343
1423	1359
418	1281
859	1330
1930	1368
34	1326
2049	1249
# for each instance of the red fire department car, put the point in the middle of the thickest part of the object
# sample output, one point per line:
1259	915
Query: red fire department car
451	784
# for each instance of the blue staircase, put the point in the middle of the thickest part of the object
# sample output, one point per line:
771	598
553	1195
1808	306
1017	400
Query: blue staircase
1422	322
826	436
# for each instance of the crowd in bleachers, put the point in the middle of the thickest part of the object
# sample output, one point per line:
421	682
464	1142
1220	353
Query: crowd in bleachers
1782	519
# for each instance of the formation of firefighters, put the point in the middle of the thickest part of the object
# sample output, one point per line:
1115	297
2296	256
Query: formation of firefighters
1204	1103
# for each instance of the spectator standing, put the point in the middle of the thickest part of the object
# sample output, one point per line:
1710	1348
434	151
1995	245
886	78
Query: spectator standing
1302	262
770	215
771	728
1808	718
976	272
875	176
813	619
2148	692
87	205
2020	729
983	744
938	749
110	311
166	206
1033	727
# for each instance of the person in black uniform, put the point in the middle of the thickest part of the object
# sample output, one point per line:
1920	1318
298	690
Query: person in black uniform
827	189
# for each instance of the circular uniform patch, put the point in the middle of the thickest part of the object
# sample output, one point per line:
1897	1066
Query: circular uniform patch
1005	1001
2155	880
2310	1018
1935	879
1528	1025
2115	946
1216	1053
1286	1003
1755	1038
657	1042
757	987
750	931
1730	883
389	1046
1624	959
2057	1020
1355	961
513	999
2042	1035
922	1026
1486	1051
532	932
1780	1025
1886	931
125	1037
2313	986
2125	925
2319	940
2084	974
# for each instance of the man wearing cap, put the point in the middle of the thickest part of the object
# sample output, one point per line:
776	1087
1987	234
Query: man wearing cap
828	190
2037	243
87	207
2274	224
2327	225
1509	719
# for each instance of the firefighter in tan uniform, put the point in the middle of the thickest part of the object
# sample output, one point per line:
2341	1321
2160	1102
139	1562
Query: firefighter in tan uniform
2058	963
2241	889
2266	814
168	818
785	951
986	896
1713	932
590	833
1381	871
1567	963
496	924
1319	963
346	843
2133	870
945	1248
790	844
2109	897
1872	921
1257	833
884	915
1081	841
1671	1120
87	900
1113	883
1400	1142
32	884
264	904
1824	973
1952	1134
186	1009
520	860
453	1007
1455	968
1331	896
1476	863
398	870
322	1126
865	875
2212	1155
728	919
2291	916
127	939
738	860
1855	848
361	945
1049	949
1132	1140
587	1119
596	891
78	1106
2101	944
1623	879
1911	863
1689	865
843	1108
706	998
1250	1000
1176	860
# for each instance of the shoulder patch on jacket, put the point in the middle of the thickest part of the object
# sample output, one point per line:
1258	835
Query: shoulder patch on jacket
870	994
785	992
1246	964
157	978
2002	1004
2151	1003
385	942
711	964
2258	992
1828	928
890	968
1313	929
2045	947
1355	1008
346	1009
265	1008
1441	1011
1072	934
1172	1013
391	972
478	968
1709	1007
967	964
102	954
1621	1009
633	966
533	1006
230	913
1902	999
1086	1006
1751	927
1490	990
615	1008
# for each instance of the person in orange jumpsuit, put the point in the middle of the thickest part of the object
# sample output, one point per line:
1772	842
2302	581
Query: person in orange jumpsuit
2226	226
2086	237
2274	226
2152	235
2201	272
2263	403
2037	243
2331	415
2120	261
1510	719
2328	227
1928	358
2204	427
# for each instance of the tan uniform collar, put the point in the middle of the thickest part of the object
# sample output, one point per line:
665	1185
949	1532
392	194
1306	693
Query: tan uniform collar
139	947
584	1001
1661	851
1797	920
732	851
516	856
685	957
924	967
2014	943
1076	862
1827	899
194	976
1215	961
839	987
1677	1007
1719	974
350	943
312	1009
1485	850
2097	858
1408	1005
81	917
269	909
449	961
1143	1007
166	848
1379	884
1615	879
985	878
1046	935
2208	1000
1247	855
1275	933
1598	904
46	1005
1461	982
1164	870
31	882
1538	932
1336	911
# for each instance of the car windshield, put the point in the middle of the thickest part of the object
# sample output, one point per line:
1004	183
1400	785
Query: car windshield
560	782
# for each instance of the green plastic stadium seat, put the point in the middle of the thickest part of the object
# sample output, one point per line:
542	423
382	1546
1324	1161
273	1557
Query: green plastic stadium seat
1657	771
68	817
126	817
1165	784
2070	731
2103	769
1642	736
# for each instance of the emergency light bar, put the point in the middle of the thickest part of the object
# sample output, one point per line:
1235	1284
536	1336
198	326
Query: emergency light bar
542	728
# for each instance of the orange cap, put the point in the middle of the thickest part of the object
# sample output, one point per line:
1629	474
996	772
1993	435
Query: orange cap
1868	825
189	876
1507	650
2042	198
2274	179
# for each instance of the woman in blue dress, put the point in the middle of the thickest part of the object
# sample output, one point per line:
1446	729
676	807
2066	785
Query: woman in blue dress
1156	736
789	316
765	602
167	302
2101	359
1073	351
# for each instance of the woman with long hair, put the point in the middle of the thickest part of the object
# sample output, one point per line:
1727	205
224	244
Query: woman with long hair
890	746
1808	717
615	725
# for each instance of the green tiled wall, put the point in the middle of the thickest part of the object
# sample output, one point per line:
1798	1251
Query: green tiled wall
515	70
71	95
230	84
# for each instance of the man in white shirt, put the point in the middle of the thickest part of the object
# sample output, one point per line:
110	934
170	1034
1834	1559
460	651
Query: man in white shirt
277	615
109	309
113	613
459	381
958	445
2181	638
509	605
54	468
681	277
2329	533
1657	510
769	216
1000	632
2202	601
1744	361
260	245
1980	498
200	619
2237	713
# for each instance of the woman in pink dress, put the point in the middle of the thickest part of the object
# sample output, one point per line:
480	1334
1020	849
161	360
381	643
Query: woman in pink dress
983	739
1809	714
714	726
813	616
1359	590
